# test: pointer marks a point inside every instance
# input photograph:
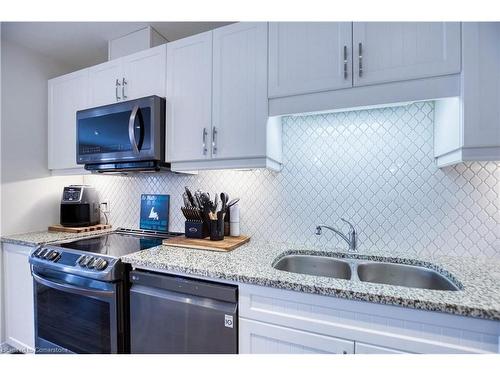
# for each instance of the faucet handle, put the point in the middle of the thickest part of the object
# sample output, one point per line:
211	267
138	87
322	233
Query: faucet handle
351	227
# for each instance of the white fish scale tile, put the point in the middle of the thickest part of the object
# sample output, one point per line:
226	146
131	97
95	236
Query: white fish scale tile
373	167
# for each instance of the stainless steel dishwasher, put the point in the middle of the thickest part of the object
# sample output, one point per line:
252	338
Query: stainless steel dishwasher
172	315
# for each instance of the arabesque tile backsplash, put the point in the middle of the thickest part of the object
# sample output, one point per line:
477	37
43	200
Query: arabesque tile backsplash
373	167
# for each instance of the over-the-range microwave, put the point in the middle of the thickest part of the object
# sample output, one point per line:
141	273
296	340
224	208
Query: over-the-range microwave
125	136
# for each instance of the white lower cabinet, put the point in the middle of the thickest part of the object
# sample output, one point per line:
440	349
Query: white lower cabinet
263	338
279	321
18	293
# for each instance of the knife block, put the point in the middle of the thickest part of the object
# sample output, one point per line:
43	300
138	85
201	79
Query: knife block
196	229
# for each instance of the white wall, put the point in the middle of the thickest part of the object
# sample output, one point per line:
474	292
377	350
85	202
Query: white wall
29	194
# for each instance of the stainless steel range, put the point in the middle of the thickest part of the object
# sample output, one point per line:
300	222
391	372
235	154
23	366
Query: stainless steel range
81	292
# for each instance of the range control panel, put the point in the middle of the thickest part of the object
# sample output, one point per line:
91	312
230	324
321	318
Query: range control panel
72	194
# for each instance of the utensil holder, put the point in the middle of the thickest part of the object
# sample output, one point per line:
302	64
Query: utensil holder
217	228
196	229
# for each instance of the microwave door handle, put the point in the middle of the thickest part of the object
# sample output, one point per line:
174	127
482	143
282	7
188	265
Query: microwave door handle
72	288
136	111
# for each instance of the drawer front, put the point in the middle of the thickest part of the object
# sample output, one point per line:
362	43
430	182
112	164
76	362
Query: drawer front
262	338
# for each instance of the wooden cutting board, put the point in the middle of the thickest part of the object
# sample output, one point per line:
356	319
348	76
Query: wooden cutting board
60	228
227	244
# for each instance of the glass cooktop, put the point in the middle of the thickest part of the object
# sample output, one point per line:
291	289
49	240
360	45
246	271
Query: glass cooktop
119	243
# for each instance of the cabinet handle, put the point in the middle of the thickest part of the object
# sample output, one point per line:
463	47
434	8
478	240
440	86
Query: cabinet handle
214	140
204	137
345	62
360	59
117	87
124	82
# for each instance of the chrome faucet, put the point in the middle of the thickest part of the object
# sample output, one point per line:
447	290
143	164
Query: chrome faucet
351	237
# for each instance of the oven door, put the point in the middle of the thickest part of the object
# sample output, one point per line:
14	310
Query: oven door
122	132
74	314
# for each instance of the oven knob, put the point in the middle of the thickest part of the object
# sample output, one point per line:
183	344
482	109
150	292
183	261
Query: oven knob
52	256
91	262
97	263
102	265
83	260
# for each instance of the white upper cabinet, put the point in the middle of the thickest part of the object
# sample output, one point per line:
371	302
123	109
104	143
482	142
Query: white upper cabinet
67	94
130	77
239	91
105	83
467	128
189	98
217	105
398	51
309	57
144	73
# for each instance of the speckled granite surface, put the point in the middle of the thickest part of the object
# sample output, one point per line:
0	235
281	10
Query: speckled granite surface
252	264
38	238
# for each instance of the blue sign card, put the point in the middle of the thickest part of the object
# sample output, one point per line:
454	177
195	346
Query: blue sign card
154	212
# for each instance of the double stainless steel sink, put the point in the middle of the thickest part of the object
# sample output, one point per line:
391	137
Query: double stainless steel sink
365	270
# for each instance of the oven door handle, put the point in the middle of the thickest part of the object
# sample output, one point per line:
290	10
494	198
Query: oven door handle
136	112
72	288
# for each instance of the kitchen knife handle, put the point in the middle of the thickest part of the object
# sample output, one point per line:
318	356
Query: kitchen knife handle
204	138
214	140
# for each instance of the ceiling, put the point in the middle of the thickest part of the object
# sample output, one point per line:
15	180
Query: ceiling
82	44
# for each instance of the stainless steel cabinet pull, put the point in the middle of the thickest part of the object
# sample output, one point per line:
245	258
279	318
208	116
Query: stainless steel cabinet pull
214	140
117	86
345	62
124	82
360	59
205	133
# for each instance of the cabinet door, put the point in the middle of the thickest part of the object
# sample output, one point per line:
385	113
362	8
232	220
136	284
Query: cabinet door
362	348
481	87
67	94
309	57
262	338
18	289
189	98
144	73
105	83
239	90
398	51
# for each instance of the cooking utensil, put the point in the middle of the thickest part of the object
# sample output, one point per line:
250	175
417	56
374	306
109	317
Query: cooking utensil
223	198
216	203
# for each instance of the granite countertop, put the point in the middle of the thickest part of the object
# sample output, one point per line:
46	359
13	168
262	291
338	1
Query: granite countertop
252	264
41	237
